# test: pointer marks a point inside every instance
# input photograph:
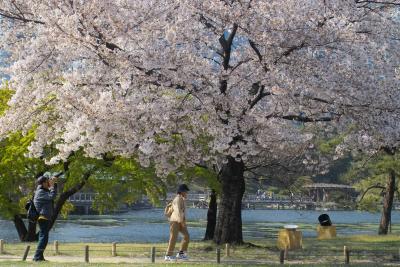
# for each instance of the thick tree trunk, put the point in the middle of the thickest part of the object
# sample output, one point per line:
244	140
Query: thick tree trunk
65	195
25	235
211	216
229	223
59	204
20	227
387	203
32	235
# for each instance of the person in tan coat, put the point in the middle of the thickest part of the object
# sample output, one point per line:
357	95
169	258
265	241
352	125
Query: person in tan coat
177	223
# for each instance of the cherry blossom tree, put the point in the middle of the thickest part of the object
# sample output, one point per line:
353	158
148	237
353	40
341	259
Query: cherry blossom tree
222	84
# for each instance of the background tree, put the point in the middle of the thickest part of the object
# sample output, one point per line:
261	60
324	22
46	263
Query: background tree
155	80
17	175
375	177
17	180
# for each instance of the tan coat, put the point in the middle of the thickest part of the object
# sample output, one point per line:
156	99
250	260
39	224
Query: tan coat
179	207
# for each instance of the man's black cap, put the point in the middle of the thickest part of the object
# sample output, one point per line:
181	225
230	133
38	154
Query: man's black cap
41	180
183	188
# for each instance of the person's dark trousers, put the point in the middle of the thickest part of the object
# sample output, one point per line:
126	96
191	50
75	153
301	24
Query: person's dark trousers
43	239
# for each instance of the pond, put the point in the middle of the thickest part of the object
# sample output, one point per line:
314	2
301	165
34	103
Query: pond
151	226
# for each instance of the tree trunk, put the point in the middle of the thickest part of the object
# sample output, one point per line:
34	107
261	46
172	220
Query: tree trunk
387	203
65	195
32	235
20	227
211	216
25	235
229	222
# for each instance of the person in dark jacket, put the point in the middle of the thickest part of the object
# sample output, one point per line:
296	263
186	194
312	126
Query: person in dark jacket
45	194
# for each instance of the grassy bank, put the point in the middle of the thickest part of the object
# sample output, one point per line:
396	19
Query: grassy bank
364	251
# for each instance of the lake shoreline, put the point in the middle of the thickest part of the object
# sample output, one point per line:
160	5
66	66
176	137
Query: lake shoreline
152	226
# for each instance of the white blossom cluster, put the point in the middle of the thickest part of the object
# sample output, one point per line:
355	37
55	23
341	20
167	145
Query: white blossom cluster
153	78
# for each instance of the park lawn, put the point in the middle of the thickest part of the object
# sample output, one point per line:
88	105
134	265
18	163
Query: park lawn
57	264
364	250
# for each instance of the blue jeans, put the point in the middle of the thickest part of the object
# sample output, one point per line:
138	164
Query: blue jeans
43	239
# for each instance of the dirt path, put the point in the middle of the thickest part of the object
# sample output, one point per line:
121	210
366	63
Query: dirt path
66	259
126	260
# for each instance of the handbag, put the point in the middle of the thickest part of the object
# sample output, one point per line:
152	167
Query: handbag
32	214
168	210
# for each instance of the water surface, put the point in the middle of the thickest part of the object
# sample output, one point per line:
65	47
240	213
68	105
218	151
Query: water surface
151	226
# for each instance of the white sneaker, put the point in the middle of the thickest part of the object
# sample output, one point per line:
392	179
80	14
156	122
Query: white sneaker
169	258
182	256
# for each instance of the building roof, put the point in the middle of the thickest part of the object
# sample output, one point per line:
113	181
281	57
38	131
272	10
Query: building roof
326	185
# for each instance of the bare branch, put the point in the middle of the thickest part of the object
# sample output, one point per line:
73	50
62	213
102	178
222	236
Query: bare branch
301	118
253	45
289	51
12	16
377	186
207	23
392	3
227	45
240	63
256	50
259	96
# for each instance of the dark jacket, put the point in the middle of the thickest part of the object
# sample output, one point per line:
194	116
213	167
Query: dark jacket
44	199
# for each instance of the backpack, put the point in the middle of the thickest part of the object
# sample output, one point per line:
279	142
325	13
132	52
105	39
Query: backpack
31	213
168	210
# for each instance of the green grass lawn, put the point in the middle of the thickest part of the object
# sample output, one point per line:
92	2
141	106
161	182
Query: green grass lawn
48	264
364	251
17	264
